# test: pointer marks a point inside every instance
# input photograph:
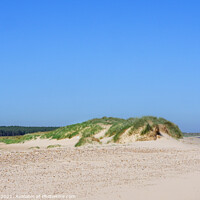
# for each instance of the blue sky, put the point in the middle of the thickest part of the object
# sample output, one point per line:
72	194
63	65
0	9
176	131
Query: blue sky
63	62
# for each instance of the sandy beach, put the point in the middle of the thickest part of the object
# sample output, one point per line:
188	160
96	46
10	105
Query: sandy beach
163	169
99	100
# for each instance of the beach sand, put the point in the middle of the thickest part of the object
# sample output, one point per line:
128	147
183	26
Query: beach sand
165	169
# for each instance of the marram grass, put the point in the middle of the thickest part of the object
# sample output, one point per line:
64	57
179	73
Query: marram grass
87	130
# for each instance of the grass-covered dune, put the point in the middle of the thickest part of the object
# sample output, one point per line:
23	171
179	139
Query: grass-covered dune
107	130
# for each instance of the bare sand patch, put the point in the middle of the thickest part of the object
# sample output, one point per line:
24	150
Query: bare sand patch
163	169
41	143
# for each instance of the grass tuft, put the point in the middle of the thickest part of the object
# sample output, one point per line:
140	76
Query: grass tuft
53	146
36	147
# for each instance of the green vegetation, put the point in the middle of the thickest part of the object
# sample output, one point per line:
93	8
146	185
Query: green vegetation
117	129
20	138
22	130
36	147
151	122
174	131
106	120
53	146
88	133
81	142
146	127
191	134
85	130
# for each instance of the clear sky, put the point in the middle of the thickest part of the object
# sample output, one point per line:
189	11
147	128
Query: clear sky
68	61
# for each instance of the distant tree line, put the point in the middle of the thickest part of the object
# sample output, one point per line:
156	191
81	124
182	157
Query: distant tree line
22	130
191	134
